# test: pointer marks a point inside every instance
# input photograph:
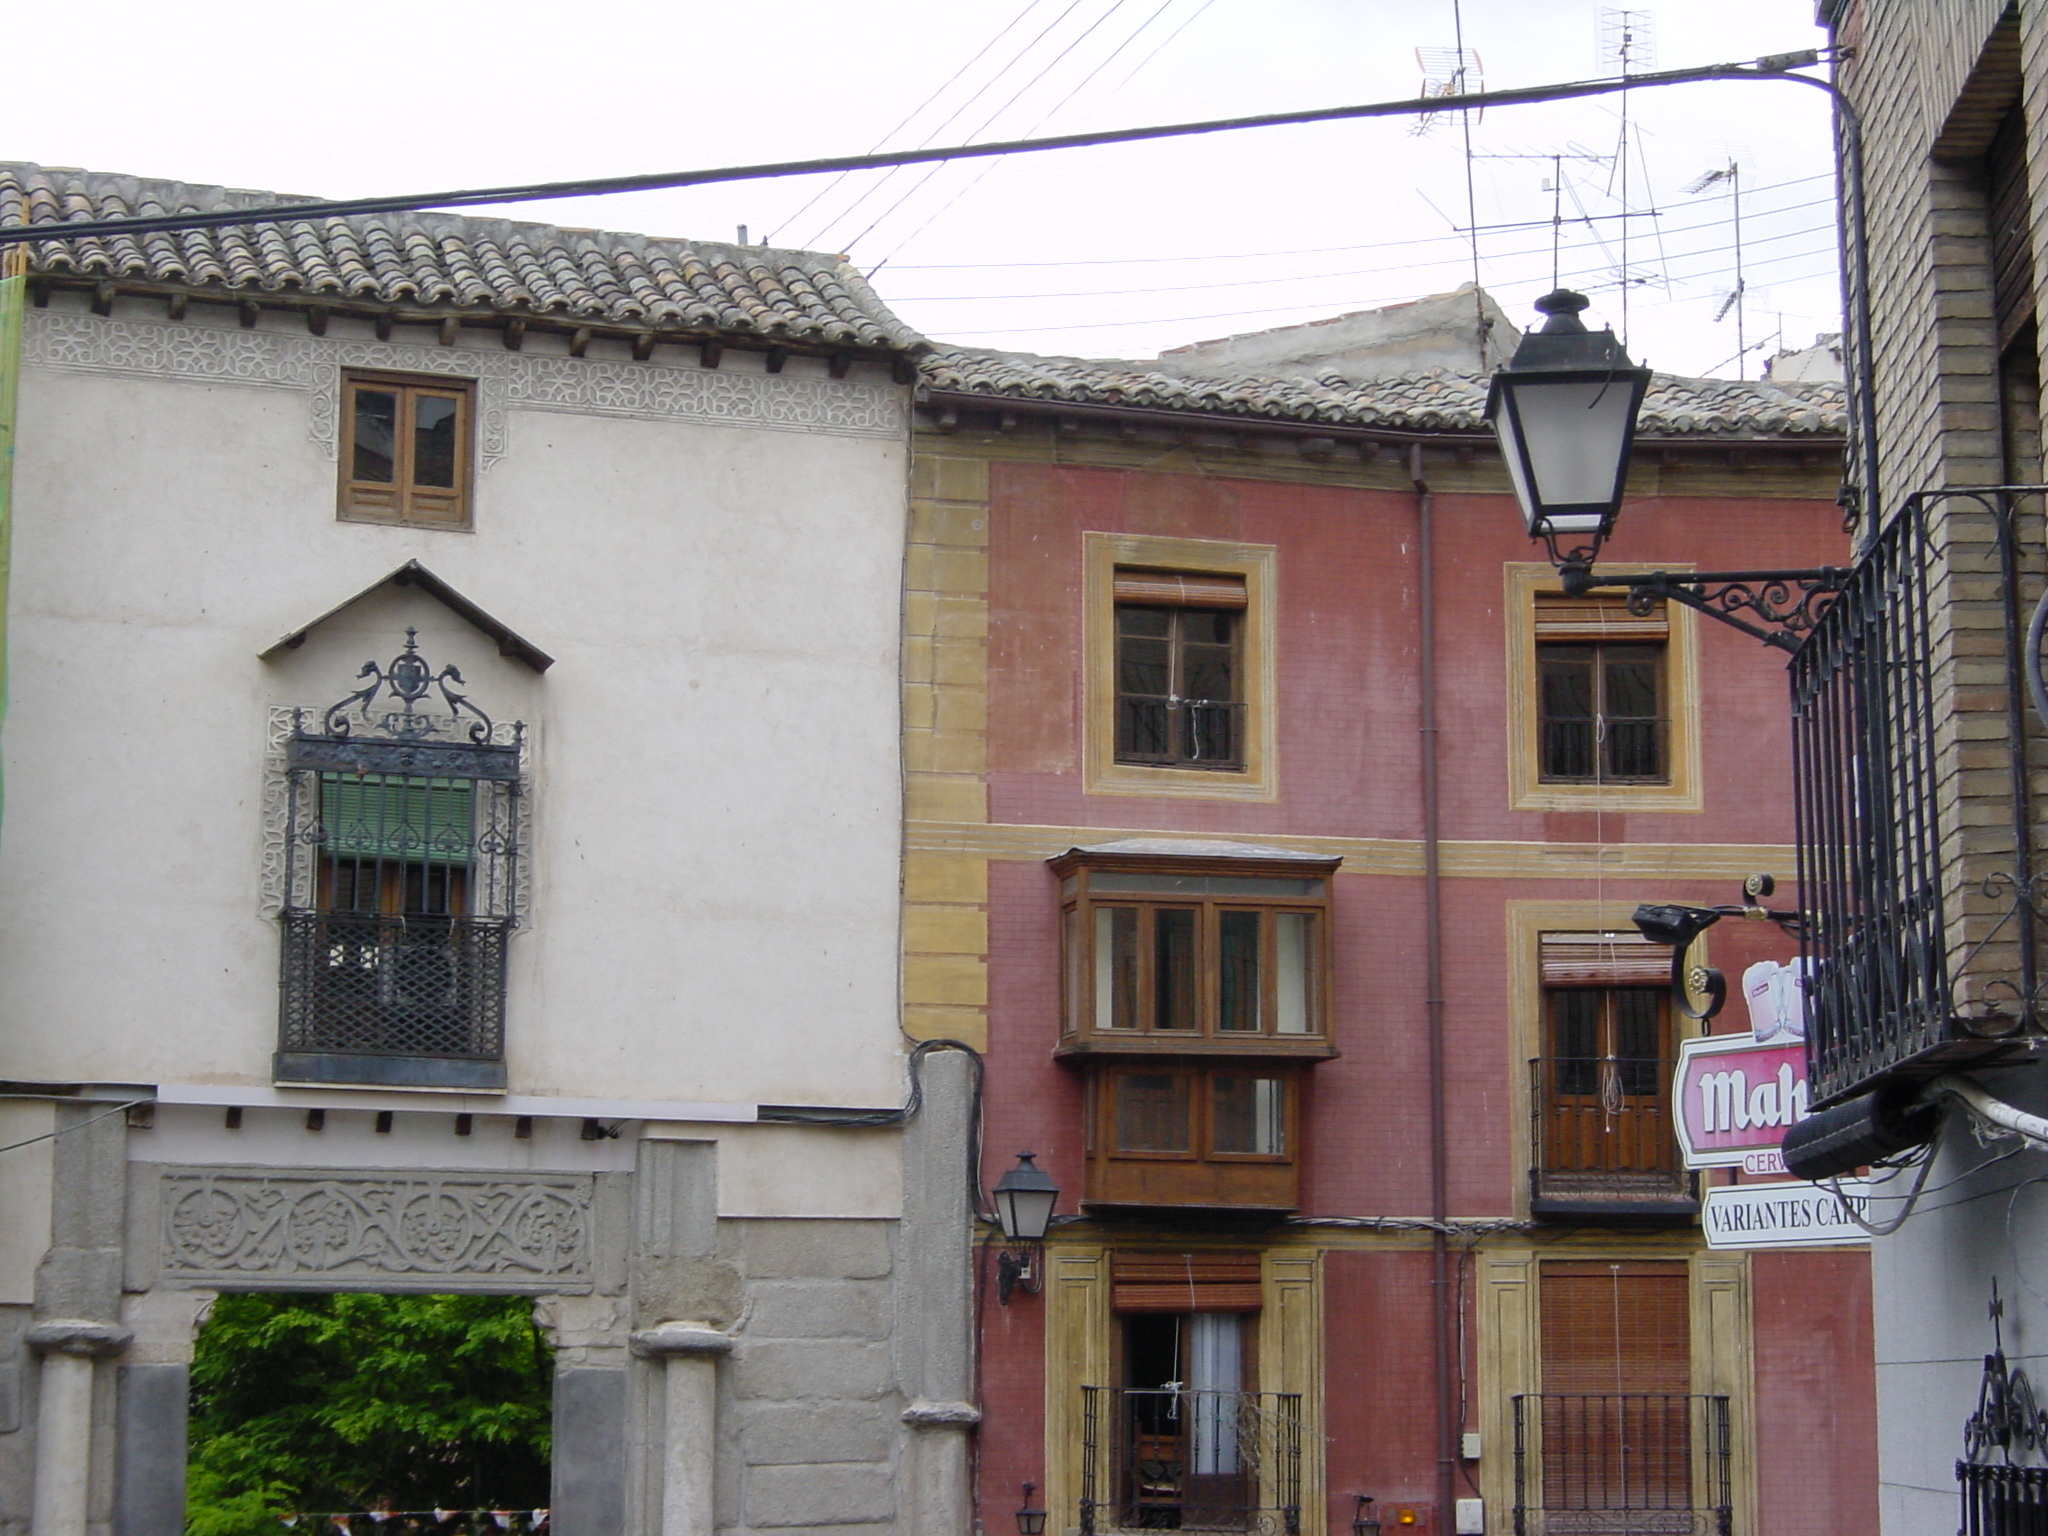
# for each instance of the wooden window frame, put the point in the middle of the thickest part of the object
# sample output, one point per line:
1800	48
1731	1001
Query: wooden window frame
408	503
1255	775
1605	652
1680	789
1082	894
1182	598
1202	1176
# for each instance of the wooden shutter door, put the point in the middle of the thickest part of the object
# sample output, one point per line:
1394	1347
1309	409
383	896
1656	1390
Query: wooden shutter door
1616	1342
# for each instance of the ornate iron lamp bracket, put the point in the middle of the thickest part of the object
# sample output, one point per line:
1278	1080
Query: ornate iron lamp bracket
1789	602
2007	1417
1679	926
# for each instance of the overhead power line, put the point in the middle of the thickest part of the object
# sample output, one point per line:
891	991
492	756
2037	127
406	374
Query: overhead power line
1771	67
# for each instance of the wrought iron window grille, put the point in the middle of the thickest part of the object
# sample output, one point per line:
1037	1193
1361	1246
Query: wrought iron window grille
1622	1464
403	833
1178	1459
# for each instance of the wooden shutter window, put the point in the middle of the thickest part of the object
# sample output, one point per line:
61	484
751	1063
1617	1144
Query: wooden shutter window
1602	960
1185	1282
1179	589
1615	1327
1596	618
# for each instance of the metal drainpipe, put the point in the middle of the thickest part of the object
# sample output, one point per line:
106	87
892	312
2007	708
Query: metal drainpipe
1433	979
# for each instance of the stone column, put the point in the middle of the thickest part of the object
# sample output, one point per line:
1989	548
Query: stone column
689	1461
64	1420
934	1304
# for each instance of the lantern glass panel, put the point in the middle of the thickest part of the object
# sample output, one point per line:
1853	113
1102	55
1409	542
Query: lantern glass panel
1025	1213
1574	435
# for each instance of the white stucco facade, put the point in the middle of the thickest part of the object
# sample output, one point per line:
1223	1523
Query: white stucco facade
714	559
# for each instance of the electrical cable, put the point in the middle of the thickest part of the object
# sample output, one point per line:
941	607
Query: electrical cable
830	186
982	175
1256	282
1018	95
874	188
1772	67
66	1130
1329	250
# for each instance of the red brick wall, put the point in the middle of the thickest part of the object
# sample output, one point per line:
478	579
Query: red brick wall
1816	1394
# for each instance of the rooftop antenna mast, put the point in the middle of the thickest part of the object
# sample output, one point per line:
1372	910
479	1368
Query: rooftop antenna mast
1736	298
1628	45
1454	71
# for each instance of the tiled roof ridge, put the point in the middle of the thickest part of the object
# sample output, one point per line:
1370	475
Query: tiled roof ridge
1435	399
451	261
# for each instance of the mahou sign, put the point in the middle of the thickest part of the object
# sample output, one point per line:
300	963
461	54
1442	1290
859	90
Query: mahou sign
1735	1098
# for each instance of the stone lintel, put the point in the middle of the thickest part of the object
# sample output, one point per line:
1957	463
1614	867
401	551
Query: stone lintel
76	1336
672	1339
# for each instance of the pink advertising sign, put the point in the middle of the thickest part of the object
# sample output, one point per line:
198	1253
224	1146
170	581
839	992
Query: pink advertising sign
1734	1099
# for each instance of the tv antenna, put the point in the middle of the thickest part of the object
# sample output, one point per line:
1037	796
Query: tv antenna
1729	176
1627	46
1446	72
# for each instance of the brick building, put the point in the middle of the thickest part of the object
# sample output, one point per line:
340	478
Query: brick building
1178	647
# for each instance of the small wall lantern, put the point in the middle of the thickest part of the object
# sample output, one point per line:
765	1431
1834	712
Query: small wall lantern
1365	1522
1024	1198
1030	1522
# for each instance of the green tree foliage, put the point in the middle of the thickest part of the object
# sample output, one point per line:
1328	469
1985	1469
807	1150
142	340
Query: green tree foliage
360	1402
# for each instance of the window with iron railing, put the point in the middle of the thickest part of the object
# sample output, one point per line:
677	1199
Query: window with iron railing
1600	679
402	847
1179	669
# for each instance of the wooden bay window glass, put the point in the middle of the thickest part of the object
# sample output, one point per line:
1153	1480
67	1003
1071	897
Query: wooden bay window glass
1193	1133
1179	669
405	451
1601	692
1176	954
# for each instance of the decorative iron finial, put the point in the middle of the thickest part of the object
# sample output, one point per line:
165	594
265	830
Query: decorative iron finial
407	680
2007	1417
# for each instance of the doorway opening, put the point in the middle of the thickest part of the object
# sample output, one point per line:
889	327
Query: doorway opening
415	1413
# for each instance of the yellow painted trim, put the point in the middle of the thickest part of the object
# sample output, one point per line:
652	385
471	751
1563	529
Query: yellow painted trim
1479	859
1102	774
1682	680
1527	921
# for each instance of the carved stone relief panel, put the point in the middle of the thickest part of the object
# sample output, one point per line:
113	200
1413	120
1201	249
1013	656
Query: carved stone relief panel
322	1229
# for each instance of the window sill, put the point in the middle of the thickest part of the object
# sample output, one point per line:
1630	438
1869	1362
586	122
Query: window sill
1193	783
325	1069
1196	1047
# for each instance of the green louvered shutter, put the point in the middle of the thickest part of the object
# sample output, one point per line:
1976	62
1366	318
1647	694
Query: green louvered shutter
393	819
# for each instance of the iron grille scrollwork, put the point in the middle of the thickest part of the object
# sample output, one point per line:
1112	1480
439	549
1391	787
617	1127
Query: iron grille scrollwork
404	830
2000	1496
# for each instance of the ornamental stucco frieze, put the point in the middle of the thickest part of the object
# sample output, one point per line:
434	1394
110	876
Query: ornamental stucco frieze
506	381
412	1230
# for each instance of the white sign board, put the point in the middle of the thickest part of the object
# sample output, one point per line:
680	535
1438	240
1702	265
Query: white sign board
1791	1215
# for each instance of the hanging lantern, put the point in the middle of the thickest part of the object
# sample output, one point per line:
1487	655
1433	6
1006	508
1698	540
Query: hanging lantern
1564	410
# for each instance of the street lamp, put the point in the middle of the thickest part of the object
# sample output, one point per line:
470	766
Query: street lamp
1030	1522
1565	410
1024	1199
1364	1522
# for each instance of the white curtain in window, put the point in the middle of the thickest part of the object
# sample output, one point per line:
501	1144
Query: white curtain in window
1215	1377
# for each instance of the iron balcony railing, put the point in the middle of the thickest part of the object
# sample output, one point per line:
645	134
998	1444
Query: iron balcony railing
1190	1460
1601	1138
1910	733
1622	1464
363	984
1188	733
2003	1501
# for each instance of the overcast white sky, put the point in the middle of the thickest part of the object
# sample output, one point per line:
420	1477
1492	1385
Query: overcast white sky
1106	252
